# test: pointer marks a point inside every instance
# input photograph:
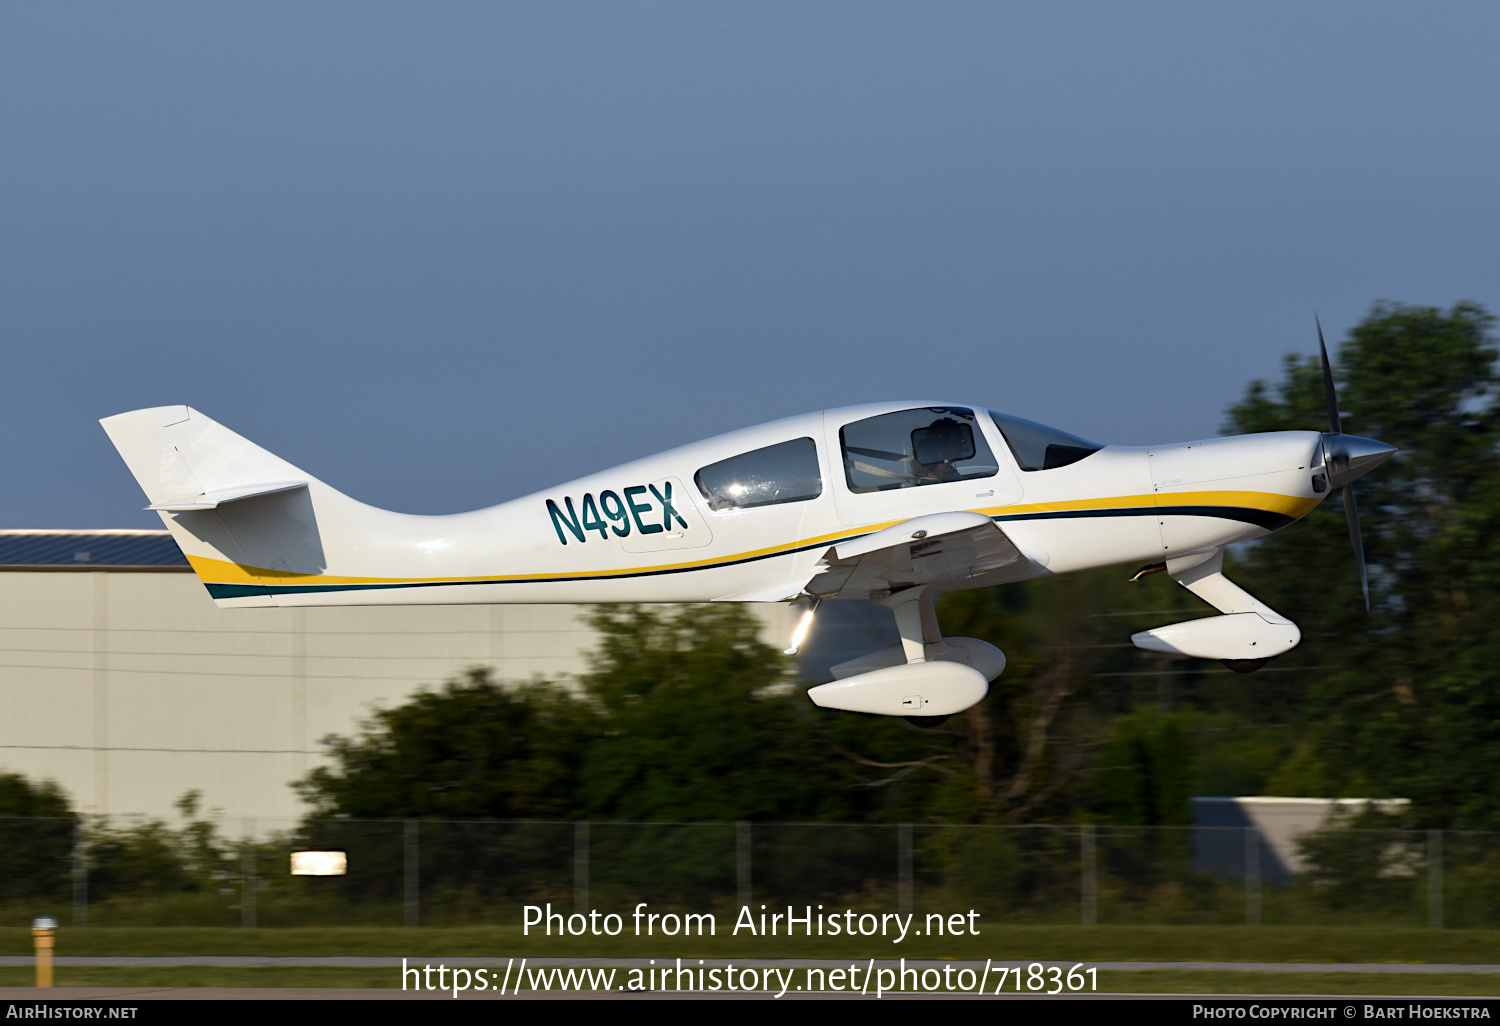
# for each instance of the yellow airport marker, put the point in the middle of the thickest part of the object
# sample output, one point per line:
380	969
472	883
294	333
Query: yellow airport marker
43	929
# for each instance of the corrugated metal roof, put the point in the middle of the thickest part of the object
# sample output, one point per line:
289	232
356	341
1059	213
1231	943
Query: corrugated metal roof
77	550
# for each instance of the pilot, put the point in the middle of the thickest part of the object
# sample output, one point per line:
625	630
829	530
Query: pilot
945	436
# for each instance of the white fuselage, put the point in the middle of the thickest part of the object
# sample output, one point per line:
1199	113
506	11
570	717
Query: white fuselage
611	536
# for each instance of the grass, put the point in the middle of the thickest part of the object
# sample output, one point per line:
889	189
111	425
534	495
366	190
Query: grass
1363	984
206	976
1079	943
1151	982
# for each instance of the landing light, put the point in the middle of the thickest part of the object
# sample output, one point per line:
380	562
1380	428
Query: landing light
800	634
319	863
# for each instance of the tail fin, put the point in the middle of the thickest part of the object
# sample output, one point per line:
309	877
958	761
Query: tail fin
242	516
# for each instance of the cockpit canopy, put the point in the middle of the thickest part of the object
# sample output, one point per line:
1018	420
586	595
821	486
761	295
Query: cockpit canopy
931	445
903	449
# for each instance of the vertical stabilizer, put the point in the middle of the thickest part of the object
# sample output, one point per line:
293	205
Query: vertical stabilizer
242	516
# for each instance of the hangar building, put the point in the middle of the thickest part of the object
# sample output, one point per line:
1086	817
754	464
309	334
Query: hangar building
121	680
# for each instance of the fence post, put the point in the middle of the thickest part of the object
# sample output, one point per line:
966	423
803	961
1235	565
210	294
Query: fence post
80	875
413	881
904	896
247	875
581	867
1435	879
1090	876
1252	875
742	861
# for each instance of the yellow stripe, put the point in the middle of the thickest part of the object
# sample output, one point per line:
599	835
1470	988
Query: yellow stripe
1273	502
218	571
1109	502
1295	506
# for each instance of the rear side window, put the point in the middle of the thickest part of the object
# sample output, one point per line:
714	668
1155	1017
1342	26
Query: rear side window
1039	447
909	448
784	472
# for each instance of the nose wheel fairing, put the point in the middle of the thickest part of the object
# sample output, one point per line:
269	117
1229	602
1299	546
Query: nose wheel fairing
1246	634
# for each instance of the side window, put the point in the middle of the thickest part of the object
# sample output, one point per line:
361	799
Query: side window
784	472
1039	447
915	447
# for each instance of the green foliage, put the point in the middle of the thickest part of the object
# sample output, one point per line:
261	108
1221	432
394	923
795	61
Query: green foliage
142	858
1304	774
1362	862
1406	702
1232	760
474	748
685	714
21	797
150	857
36	851
1147	773
698	722
126	861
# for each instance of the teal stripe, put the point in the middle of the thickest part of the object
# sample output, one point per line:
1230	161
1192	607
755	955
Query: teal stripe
227	591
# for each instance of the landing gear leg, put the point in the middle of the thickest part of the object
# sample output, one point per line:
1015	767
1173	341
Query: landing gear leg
917	621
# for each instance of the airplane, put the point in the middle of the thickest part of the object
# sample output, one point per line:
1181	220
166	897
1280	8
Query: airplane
893	502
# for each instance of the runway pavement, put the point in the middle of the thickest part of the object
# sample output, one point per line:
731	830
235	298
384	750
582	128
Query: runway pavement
32	996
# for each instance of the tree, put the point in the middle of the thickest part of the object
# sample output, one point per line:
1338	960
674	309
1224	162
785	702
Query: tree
1148	772
37	851
685	714
474	748
21	797
1404	702
1032	750
702	722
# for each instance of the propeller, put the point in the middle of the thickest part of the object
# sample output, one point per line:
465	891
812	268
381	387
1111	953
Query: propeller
1348	458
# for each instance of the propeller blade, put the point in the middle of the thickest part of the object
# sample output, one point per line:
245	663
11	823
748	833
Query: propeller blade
1351	517
1348	457
1330	396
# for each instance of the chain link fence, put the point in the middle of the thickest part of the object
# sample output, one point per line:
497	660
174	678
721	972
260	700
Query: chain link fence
437	872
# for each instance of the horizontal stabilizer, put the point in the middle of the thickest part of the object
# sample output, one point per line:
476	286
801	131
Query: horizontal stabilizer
214	499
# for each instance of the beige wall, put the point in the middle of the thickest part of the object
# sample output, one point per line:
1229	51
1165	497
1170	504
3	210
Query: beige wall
131	688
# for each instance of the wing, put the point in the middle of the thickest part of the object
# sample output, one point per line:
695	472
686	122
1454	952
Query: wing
939	548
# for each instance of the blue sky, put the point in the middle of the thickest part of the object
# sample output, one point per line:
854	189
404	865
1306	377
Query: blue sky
442	255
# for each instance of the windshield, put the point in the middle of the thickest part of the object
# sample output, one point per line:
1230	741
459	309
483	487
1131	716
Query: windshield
1039	447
